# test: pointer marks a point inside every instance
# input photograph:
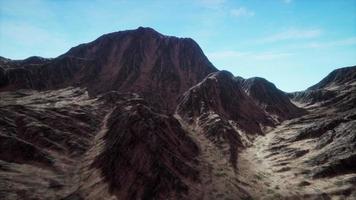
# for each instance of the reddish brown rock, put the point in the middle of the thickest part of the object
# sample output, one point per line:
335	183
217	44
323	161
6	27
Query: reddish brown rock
158	67
146	155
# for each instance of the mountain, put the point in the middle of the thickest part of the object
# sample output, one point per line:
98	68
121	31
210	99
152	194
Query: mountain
140	154
158	67
139	115
76	143
274	101
337	77
336	89
230	110
316	150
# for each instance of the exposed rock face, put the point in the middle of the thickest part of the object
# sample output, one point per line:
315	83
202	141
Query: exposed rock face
226	108
158	67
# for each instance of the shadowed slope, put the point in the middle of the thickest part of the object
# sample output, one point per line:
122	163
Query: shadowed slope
147	155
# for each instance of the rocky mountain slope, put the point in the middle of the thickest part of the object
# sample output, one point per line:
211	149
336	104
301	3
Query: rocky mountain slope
312	156
158	67
140	115
229	111
274	101
63	144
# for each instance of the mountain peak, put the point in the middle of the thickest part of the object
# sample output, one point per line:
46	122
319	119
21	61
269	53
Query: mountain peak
337	77
146	29
142	32
158	67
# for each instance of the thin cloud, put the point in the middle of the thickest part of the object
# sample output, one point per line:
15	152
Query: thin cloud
343	42
271	56
242	12
227	54
287	1
291	34
224	55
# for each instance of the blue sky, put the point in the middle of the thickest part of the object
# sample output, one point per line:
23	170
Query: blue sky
292	43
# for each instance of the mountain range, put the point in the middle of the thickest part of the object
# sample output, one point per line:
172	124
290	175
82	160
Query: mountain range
140	115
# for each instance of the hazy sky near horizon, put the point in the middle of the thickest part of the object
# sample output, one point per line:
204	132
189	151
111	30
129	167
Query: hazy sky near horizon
292	43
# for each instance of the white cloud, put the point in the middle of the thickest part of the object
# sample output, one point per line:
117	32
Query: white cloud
242	12
291	34
225	55
271	56
343	42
